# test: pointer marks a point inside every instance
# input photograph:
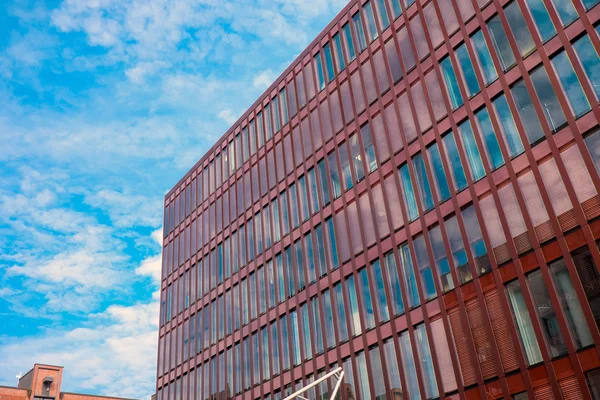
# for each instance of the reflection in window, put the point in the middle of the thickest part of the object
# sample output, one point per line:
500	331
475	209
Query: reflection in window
485	59
341	312
489	138
409	193
408	366
431	389
588	56
345	162
509	129
542	20
328	317
529	117
451	83
324	182
355	315
349	42
566	11
570	305
468	72
396	9
422	256
380	298
306	331
365	133
339	53
440	181
335	175
422	182
409	277
371	27
473	156
389	352
524	324
519	29
590	279
501	43
367	301
363	378
377	373
547	314
357	161
441	260
329	62
476	242
396	302
458	174
383	15
318	330
320	73
541	83
359	32
570	84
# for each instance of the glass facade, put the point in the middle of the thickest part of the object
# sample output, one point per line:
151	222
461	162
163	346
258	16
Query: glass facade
414	202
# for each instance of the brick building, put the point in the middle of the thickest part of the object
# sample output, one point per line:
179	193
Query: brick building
415	199
44	382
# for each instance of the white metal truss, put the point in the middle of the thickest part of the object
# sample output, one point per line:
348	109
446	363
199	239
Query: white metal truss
337	373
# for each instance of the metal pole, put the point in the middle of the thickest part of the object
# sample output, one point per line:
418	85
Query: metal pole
321	379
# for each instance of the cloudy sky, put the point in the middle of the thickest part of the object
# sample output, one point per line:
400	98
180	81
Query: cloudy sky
104	105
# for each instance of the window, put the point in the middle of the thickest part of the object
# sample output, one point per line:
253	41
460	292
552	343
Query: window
422	182
357	159
295	338
570	84
371	26
509	129
570	305
546	314
365	133
476	240
523	322
440	181
334	175
501	43
409	276
363	378
294	205
342	328
409	193
306	329
285	351
593	381
345	162
339	53
519	29
408	366
355	315
275	348
329	62
529	117
468	72
489	139
380	298
451	83
543	88
459	179
566	11
318	332
431	389
484	58
314	191
264	334
347	32
422	256
359	32
473	156
276	114
323	175
590	279
441	260
383	15
542	19
396	303
396	9
300	267
284	107
320	73
588	56
367	302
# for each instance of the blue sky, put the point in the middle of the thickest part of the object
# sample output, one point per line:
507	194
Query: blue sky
104	105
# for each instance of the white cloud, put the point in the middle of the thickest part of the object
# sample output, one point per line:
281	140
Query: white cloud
228	116
114	353
127	210
151	267
264	79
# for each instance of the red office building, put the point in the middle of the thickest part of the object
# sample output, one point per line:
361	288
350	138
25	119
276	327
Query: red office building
415	200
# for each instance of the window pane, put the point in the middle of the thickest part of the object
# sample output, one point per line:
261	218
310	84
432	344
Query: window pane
359	32
529	117
489	139
345	162
306	331
509	129
409	277
524	324
329	62
467	70
328	317
570	304
377	373
554	114
368	9
458	174
363	378
366	299
566	11
483	56
440	181
441	259
324	182
365	133
409	193
431	389
341	312
422	256
408	365
395	290
588	56
357	159
339	53
476	240
501	44
542	20
423	182
318	331
451	83
570	84
396	9
519	28
383	15
380	298
349	42
547	314
475	163
590	279
389	351
320	73
355	315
